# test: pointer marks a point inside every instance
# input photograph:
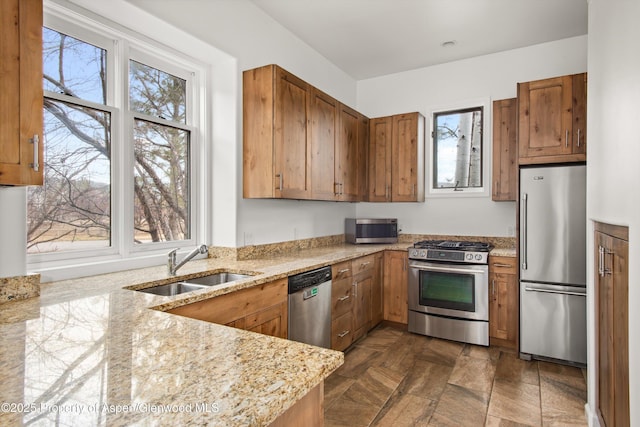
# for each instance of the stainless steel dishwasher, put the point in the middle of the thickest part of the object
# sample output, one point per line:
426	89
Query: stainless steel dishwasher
310	307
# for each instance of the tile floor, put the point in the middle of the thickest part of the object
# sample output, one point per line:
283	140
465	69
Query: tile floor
394	378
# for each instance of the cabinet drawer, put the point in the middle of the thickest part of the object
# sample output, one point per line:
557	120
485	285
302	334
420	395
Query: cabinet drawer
341	297
341	270
341	332
505	265
362	264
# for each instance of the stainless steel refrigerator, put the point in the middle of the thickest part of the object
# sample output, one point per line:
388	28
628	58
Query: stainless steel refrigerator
553	263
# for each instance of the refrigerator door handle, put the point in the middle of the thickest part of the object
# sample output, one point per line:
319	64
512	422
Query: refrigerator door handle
550	290
524	230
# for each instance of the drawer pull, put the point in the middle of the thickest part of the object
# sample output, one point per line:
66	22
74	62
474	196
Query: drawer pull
346	270
497	264
343	334
364	264
344	298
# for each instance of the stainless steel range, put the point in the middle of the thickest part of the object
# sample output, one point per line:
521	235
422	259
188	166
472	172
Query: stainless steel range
449	290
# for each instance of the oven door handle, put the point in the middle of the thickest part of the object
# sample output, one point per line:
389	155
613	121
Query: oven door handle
446	269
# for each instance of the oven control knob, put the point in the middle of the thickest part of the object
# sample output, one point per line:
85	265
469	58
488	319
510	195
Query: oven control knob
469	256
478	257
423	254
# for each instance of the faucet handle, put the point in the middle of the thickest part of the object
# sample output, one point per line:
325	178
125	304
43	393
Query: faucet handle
171	261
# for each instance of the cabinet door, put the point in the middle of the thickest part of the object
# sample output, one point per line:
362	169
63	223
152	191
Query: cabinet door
503	302
395	286
407	167
377	306
230	308
322	139
604	291
347	150
362	304
545	118
505	161
291	157
21	142
380	138
270	321
579	111
612	328
363	157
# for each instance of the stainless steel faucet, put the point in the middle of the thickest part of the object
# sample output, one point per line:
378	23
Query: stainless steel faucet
172	267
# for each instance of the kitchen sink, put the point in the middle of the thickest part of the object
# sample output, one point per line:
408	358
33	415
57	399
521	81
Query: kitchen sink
172	289
217	278
195	284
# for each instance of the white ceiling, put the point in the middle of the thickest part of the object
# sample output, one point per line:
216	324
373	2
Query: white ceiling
368	38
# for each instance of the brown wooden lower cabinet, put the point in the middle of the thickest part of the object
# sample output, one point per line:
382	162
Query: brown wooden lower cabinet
503	302
377	302
396	266
308	411
611	244
356	285
262	308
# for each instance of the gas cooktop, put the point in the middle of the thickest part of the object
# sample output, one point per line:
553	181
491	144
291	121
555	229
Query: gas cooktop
451	251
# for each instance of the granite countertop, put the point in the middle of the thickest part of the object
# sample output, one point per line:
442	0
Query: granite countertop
92	351
88	352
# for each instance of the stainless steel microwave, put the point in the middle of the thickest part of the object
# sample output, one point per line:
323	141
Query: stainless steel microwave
371	230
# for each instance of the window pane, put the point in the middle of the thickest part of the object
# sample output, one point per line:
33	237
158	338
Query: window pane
73	67
161	186
458	149
156	93
72	210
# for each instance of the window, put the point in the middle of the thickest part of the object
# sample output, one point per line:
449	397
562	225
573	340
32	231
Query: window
72	210
120	132
457	141
161	152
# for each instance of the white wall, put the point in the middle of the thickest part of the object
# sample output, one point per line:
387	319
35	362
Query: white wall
252	37
488	77
613	150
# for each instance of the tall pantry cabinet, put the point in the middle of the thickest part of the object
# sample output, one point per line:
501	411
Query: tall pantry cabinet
21	148
611	275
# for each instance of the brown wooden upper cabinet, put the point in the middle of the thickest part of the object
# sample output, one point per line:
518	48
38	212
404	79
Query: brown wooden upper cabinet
275	153
299	142
552	120
505	157
21	148
396	158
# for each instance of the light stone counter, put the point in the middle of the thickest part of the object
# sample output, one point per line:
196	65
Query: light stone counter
88	352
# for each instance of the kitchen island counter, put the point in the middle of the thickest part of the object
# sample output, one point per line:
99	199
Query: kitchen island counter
90	352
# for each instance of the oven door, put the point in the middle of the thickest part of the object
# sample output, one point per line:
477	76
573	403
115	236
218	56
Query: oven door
447	289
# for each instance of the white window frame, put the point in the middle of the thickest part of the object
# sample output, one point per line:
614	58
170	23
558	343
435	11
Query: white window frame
483	191
122	45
